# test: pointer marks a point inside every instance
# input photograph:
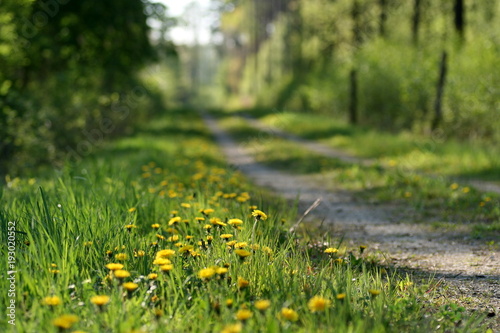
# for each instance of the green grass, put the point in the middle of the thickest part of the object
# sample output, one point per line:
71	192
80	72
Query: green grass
432	197
120	206
411	152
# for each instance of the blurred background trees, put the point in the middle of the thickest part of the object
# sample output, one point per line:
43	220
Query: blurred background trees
70	75
415	65
74	72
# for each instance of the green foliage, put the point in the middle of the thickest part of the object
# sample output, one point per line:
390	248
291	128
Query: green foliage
119	206
432	177
303	64
69	77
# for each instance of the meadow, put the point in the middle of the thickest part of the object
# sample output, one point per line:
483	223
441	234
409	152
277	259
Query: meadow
155	233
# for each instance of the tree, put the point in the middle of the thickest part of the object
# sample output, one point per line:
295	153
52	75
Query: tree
459	11
417	8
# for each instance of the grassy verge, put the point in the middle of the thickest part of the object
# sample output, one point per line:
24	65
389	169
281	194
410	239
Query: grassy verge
156	234
430	196
477	160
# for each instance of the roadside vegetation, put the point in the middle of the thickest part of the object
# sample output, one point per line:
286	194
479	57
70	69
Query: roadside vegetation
155	233
436	196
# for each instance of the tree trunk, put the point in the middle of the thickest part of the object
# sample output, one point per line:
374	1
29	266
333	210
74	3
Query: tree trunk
417	7
356	30
438	113
353	100
383	17
459	10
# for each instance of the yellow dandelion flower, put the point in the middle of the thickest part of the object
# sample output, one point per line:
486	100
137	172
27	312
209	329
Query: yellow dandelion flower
114	267
158	313
242	253
217	222
229	302
51	301
185	249
65	322
132	209
232	328
155	226
240	245
185	205
130	286
174	220
341	296
226	236
168	253
318	303
259	215
206	273
152	276
207	211
195	254
129	227
161	261
243	314
235	222
331	250
121	256
199	219
166	268
121	274
174	238
100	300
262	305
242	283
231	243
139	253
267	250
289	314
466	190
221	270
374	292
454	186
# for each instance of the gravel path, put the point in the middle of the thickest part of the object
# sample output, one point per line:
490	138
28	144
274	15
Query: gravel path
468	267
